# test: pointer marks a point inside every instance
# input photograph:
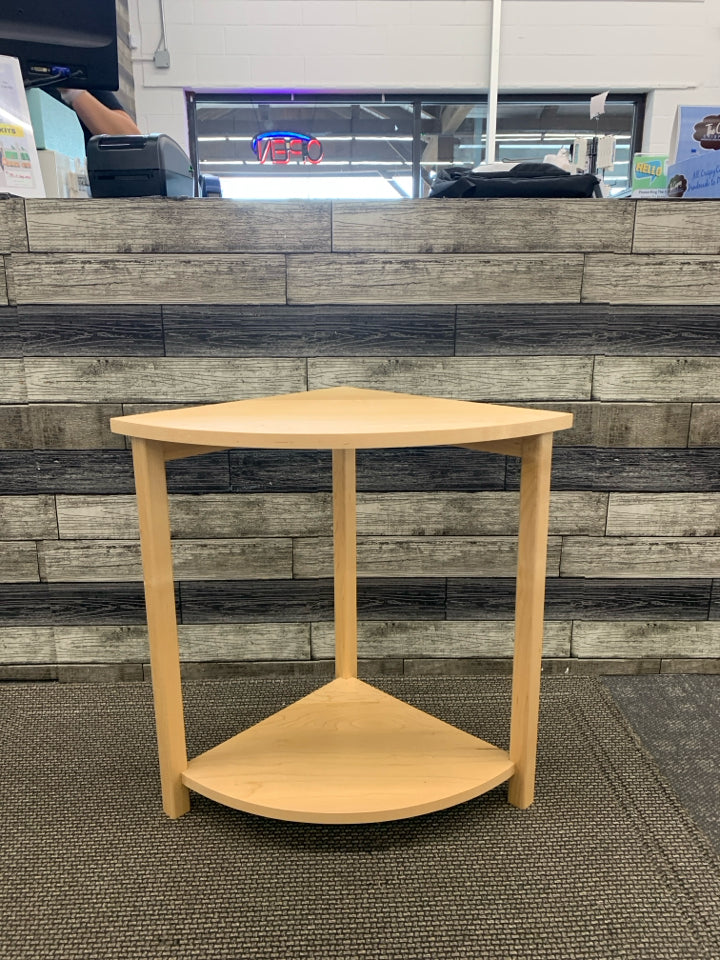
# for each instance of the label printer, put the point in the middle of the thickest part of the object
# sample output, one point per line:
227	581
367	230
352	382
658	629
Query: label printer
138	166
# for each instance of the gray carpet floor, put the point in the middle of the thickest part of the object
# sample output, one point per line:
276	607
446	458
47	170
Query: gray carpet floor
678	720
606	865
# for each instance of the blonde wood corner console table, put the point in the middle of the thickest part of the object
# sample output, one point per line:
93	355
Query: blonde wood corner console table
347	753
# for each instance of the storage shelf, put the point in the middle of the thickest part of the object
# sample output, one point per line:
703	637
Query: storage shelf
348	753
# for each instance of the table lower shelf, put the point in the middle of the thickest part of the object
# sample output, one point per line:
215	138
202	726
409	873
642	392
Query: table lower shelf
348	753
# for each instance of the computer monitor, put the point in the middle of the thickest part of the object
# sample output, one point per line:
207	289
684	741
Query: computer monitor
62	42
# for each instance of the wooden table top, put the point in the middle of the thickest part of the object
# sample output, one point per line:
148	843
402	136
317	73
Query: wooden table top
340	417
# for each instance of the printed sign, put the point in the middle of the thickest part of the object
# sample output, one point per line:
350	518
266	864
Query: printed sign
19	166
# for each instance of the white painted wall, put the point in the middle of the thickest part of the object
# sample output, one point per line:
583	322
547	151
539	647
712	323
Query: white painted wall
667	48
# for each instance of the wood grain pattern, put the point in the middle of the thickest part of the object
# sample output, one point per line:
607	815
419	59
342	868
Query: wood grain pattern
419	556
418	638
493	278
28	518
170	278
639	556
588	328
13	234
666	227
5	282
121	379
81	330
655	378
113	560
705	425
482	226
11	343
176	225
655	639
715	601
71	603
15	432
18	562
74	426
27	645
623	424
663	515
487	379
650	279
18	472
297	331
12	382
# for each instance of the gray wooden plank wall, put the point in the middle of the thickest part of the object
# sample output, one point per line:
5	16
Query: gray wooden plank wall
608	309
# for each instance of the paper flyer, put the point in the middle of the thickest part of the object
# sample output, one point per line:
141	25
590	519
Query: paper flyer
19	165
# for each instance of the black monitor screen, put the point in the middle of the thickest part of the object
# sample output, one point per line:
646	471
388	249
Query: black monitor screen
72	43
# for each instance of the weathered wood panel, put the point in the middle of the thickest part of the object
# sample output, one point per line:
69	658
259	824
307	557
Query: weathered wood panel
580	329
18	561
482	226
69	603
306	600
18	472
177	225
11	344
120	379
4	282
418	638
28	518
715	601
80	330
657	639
13	235
316	331
664	226
310	514
372	278
706	665
704	425
170	278
422	468
420	556
580	599
27	645
74	426
484	378
113	560
664	515
639	557
622	424
657	378
15	431
650	279
613	468
12	382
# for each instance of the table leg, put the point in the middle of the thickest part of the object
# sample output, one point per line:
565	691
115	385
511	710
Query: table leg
529	611
345	552
151	488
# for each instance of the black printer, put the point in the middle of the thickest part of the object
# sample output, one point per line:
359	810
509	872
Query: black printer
138	166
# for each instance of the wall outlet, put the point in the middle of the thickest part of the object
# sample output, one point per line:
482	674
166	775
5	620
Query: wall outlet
161	59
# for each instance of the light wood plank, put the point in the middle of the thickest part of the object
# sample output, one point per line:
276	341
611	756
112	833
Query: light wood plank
13	235
657	378
650	279
27	645
663	515
632	639
345	563
493	278
154	278
4	299
12	382
705	425
666	226
74	426
460	378
116	560
15	432
18	561
419	557
170	225
28	518
439	638
643	557
482	226
121	379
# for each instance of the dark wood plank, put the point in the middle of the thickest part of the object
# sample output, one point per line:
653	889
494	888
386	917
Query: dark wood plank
588	328
309	600
655	378
614	468
468	278
421	468
11	344
650	278
715	602
81	330
18	472
665	226
598	424
177	225
482	226
152	278
574	598
316	331
73	603
83	426
705	425
15	431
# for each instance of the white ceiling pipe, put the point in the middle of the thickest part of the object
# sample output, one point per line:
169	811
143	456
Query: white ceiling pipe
494	81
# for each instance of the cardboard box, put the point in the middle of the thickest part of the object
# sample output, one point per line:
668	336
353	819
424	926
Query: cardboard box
649	175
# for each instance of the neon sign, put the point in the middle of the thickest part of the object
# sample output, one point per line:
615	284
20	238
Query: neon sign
282	146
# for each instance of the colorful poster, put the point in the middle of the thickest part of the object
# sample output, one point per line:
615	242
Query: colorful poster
19	166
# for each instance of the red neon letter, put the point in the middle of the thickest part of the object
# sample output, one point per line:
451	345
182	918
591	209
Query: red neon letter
317	147
263	149
279	151
295	149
